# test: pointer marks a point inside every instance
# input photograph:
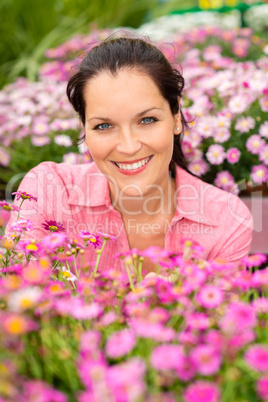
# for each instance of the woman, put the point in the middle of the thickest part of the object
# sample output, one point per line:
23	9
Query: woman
138	188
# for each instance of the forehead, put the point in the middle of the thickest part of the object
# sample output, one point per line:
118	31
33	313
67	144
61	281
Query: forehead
127	87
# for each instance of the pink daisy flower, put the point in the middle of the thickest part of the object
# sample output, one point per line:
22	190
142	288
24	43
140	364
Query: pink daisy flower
224	180
254	260
264	104
233	155
202	391
9	207
262	387
254	144
259	174
54	241
260	279
24	196
40	140
22	225
257	357
207	359
120	343
91	239
221	135
244	124
260	305
238	104
264	129
215	154
40	127
210	296
264	154
4	157
198	167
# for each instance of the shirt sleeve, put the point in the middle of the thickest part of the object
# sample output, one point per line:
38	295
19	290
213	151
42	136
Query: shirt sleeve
236	236
39	182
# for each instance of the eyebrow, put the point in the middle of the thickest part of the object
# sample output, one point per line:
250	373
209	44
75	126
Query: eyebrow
137	115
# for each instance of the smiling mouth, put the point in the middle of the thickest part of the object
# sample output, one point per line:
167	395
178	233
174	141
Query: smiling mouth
135	165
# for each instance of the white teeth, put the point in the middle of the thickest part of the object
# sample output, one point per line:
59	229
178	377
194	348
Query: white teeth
133	166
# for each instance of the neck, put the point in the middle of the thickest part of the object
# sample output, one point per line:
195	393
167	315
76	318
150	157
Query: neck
160	200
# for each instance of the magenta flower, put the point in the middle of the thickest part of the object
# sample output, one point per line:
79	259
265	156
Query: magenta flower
24	196
257	357
260	305
91	239
233	155
202	391
262	387
53	226
186	369
198	321
207	359
210	296
215	154
34	388
9	207
167	357
238	317
120	343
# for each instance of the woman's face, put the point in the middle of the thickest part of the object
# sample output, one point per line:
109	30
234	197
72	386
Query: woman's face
129	131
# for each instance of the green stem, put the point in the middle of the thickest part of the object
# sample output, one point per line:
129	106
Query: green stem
141	259
129	276
19	211
99	252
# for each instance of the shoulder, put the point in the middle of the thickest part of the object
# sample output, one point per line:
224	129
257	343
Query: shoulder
63	173
218	206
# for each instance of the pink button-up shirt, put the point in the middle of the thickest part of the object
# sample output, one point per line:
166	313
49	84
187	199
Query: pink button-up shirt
78	196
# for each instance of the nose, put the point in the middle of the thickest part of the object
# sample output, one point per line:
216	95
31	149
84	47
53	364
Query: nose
128	144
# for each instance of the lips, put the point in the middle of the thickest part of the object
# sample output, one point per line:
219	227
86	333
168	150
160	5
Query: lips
133	165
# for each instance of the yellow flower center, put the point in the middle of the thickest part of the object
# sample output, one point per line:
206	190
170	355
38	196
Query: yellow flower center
55	288
93	240
15	325
66	274
31	247
224	180
53	228
26	303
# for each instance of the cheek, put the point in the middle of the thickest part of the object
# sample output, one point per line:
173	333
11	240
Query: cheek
97	147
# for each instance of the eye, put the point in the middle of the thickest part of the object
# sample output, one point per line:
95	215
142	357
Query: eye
148	120
102	127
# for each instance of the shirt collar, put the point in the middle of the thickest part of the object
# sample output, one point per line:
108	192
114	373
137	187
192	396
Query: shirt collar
91	188
195	199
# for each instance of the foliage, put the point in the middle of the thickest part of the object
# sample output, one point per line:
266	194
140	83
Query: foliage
193	331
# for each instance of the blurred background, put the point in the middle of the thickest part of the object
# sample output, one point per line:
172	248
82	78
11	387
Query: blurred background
42	41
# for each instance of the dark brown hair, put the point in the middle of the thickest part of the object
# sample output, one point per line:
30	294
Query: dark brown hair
116	53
